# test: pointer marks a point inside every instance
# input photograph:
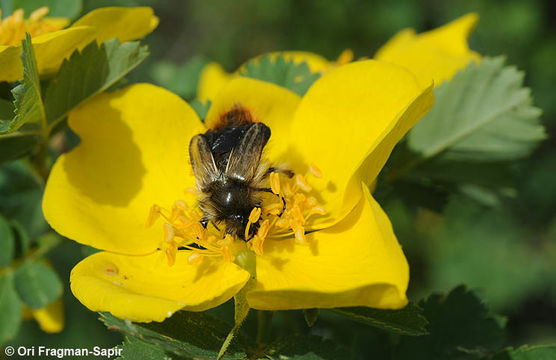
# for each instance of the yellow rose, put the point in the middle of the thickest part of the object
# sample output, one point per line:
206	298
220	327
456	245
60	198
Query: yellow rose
334	246
53	42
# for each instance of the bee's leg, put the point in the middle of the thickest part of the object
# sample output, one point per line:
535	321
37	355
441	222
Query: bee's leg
214	224
255	227
283	207
286	172
269	190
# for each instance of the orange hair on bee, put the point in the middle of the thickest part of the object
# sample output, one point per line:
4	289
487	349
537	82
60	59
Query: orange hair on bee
235	117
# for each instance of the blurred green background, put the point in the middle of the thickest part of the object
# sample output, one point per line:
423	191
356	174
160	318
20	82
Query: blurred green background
503	246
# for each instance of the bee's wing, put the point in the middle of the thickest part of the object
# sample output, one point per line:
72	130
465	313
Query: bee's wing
244	159
202	161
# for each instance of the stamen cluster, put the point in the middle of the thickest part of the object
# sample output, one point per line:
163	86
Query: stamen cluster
14	27
285	214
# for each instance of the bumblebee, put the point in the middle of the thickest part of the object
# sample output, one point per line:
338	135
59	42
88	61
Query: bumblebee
226	161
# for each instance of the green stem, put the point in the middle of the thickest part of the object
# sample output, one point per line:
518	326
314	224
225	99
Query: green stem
40	162
264	326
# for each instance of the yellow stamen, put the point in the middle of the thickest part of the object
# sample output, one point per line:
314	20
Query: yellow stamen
315	171
275	183
39	14
302	183
227	254
153	215
300	235
14	27
171	255
253	218
345	57
257	242
286	218
194	258
273	209
255	215
168	233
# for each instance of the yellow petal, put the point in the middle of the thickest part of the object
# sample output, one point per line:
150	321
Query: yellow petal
348	123
437	54
145	288
357	262
119	22
133	154
212	79
50	50
51	318
268	103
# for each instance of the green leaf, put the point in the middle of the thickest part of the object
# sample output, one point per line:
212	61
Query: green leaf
540	352
407	321
459	323
90	72
21	237
16	145
6	114
483	114
58	8
21	122
135	349
29	108
7	243
538	188
187	334
10	308
305	347
37	284
180	79
21	196
296	77
200	108
311	316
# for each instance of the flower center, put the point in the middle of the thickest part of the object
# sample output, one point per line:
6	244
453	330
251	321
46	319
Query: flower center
14	27
286	213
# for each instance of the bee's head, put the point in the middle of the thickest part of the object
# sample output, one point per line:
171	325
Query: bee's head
236	223
233	203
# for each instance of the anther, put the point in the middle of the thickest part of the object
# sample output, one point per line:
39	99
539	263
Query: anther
180	204
39	13
302	183
275	183
171	255
300	235
194	258
315	171
168	232
153	215
253	218
273	209
255	215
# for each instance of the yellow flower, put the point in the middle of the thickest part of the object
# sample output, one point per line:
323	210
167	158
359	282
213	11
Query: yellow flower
333	245
52	43
437	54
213	77
50	318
